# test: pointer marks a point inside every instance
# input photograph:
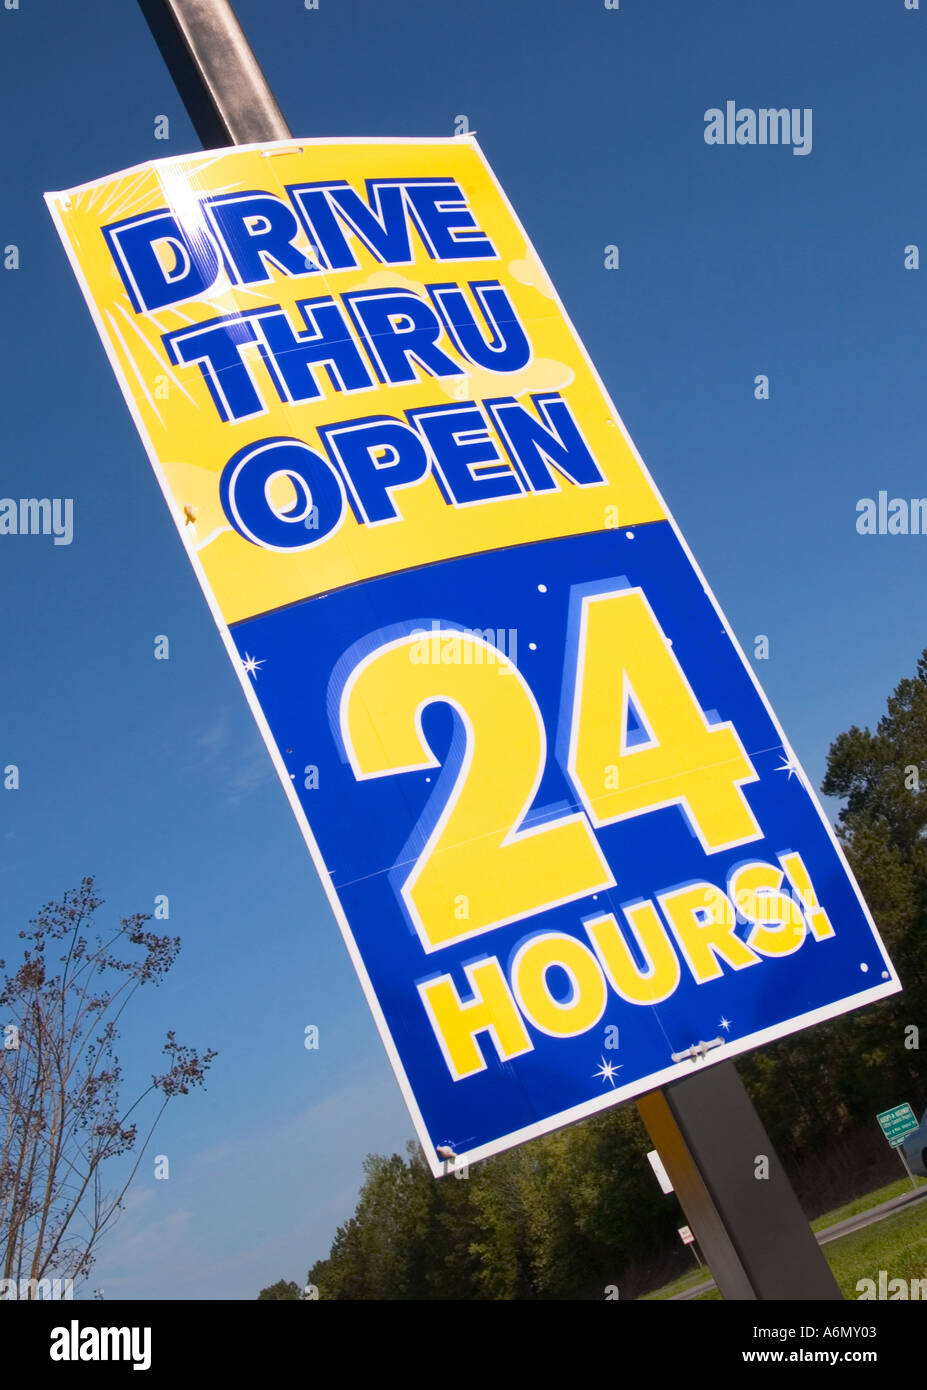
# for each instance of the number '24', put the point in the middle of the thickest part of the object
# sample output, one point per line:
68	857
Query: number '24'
476	852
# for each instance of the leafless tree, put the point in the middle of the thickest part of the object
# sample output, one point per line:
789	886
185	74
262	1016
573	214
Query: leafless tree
60	1080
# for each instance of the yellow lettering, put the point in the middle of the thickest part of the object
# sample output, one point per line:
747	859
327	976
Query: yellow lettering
586	1004
660	978
456	1021
703	920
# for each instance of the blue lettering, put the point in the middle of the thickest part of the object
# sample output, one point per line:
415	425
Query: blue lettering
328	343
508	348
445	222
398	329
376	456
216	346
245	487
256	231
466	460
382	229
150	282
163	262
537	448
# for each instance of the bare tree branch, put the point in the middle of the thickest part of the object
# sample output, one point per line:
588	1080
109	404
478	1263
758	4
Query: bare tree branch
60	1084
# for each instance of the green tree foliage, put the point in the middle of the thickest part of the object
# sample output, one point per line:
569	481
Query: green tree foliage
570	1213
558	1218
826	1083
284	1290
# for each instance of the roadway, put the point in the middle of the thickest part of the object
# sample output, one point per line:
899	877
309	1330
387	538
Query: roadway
859	1222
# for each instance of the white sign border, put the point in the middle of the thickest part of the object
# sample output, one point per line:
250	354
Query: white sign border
55	202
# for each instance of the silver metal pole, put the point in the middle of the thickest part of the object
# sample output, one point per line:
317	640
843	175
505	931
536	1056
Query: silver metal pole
907	1167
220	81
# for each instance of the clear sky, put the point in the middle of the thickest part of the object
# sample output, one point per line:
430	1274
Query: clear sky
735	261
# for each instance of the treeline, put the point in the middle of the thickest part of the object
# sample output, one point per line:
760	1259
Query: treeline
560	1217
574	1212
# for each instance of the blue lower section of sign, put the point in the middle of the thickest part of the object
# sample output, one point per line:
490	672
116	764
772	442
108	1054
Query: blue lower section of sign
369	832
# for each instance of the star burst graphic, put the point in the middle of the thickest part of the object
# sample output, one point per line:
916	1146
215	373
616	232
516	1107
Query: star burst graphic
607	1072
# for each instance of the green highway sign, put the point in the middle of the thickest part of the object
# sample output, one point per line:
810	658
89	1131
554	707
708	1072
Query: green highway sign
896	1123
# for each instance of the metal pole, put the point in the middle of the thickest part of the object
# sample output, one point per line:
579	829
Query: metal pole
220	81
733	1189
907	1166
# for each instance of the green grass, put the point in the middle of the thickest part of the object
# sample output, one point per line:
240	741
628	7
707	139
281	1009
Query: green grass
685	1281
897	1244
869	1199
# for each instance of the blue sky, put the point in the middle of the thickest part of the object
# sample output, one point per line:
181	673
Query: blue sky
734	261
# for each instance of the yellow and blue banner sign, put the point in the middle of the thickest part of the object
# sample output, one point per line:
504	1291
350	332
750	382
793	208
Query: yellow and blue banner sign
563	834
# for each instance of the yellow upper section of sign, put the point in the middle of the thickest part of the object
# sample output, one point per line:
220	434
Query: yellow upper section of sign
274	314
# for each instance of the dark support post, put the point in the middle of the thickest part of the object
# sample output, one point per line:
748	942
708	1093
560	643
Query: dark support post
751	1229
217	75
